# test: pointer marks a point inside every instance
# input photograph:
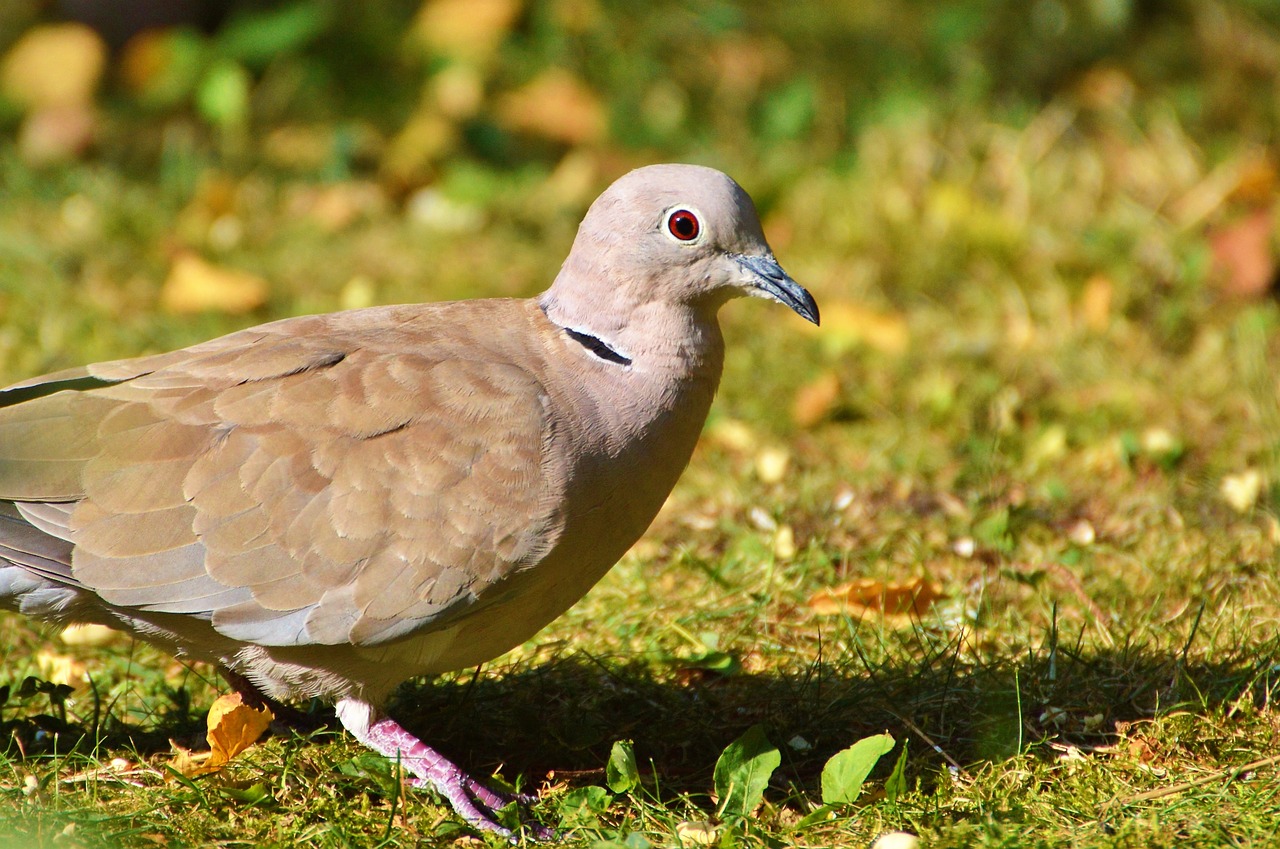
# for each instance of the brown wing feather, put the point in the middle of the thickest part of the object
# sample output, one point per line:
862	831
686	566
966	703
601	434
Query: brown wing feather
320	480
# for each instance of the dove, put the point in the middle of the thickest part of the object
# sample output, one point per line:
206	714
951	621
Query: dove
326	506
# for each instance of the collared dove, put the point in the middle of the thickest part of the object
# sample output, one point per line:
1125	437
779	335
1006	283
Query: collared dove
328	505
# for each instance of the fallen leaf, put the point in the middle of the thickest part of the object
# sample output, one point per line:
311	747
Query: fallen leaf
88	635
53	65
57	668
899	603
815	400
195	286
1256	184
699	833
555	105
1243	255
732	434
465	29
1242	489
771	464
233	727
784	543
1095	302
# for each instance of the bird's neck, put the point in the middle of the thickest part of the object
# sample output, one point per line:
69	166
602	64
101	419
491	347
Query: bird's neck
658	336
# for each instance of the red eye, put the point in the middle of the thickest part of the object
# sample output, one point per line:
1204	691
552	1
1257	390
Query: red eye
684	225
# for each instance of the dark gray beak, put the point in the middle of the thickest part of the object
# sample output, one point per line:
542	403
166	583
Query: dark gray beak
768	280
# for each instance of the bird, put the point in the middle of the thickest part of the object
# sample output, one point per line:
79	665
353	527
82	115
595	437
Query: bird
325	506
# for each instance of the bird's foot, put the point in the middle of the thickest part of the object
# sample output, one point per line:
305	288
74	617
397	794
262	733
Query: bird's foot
475	802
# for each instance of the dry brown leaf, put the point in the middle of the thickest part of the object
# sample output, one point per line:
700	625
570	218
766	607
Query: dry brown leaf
815	400
53	65
146	58
1256	184
899	603
555	105
1244	255
465	29
233	727
1095	302
195	286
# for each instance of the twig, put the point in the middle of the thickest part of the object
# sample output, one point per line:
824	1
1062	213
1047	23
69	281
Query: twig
1227	774
925	737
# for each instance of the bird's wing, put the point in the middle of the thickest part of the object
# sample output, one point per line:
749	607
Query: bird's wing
320	480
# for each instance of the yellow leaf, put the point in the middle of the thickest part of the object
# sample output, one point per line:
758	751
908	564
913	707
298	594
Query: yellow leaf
465	29
898	603
194	285
555	105
54	65
732	434
1095	302
61	669
233	727
90	636
771	464
697	833
189	763
1242	489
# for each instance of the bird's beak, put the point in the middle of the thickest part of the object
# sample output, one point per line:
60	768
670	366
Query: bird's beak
766	279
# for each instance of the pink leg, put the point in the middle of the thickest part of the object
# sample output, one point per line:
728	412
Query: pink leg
473	801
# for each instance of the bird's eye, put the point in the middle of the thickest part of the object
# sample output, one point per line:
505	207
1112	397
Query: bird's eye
684	225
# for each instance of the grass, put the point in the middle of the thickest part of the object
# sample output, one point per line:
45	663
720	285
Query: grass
1041	383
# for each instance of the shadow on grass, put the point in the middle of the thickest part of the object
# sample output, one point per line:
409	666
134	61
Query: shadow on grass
562	715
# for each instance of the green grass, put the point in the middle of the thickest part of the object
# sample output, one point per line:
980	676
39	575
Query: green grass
1021	302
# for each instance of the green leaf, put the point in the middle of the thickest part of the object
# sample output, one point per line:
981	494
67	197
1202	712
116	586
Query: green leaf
259	37
817	815
371	766
223	95
743	771
620	772
844	774
582	807
254	794
896	784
